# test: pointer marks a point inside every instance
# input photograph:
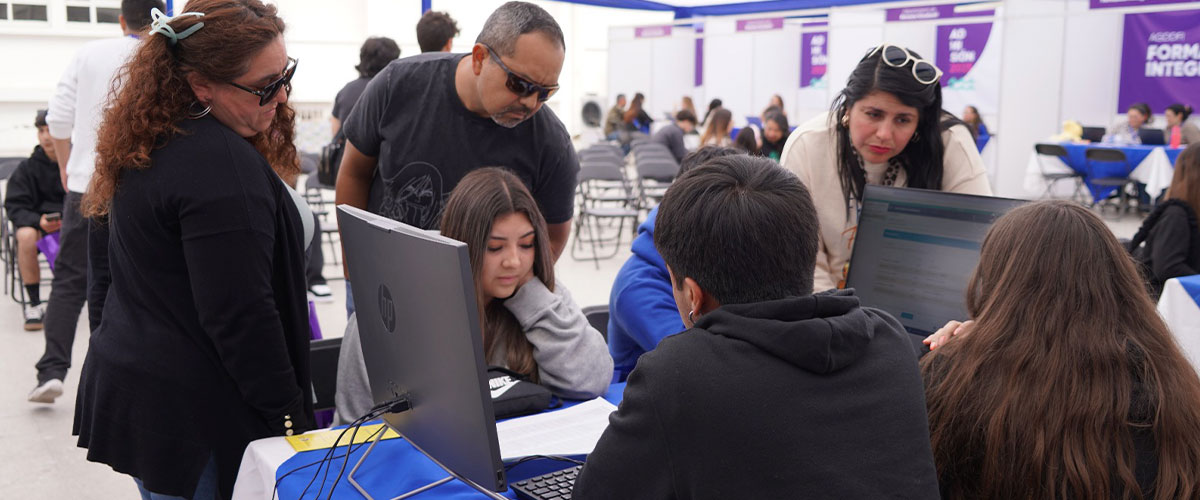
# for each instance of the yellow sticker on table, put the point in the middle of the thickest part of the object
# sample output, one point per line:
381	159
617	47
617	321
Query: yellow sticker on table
324	439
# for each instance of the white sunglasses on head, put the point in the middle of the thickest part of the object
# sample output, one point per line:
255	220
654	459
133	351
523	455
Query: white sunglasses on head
895	56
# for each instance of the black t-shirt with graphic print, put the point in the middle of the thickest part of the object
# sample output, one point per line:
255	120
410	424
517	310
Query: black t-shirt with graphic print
411	118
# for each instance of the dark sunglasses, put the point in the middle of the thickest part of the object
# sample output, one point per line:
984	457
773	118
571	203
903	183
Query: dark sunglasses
521	86
923	71
267	93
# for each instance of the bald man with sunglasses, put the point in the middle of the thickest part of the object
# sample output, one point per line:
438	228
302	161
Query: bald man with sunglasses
424	122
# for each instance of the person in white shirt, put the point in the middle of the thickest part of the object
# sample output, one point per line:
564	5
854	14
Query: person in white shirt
887	128
76	111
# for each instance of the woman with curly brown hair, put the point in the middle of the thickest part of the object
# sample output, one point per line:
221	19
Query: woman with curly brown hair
203	341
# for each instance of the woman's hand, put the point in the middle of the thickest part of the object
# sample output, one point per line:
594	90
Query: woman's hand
947	333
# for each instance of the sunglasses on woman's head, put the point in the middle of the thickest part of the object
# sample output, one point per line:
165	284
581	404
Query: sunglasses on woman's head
923	71
521	86
268	92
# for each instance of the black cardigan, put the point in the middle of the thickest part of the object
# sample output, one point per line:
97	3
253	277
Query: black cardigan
1172	244
203	344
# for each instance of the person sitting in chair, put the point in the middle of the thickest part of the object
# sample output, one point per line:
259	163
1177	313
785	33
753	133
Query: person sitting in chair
773	392
34	203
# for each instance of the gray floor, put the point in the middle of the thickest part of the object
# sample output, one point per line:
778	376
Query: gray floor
41	459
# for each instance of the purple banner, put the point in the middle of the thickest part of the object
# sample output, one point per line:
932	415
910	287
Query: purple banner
765	24
1160	59
652	31
958	48
816	24
1105	4
928	12
814	54
699	61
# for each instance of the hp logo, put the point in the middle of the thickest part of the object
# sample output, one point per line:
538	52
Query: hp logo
387	309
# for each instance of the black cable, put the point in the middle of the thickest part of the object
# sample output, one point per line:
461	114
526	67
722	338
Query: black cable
345	461
396	405
531	458
302	467
371	414
353	425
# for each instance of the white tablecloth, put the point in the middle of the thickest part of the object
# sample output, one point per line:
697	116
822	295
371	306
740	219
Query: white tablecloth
1182	314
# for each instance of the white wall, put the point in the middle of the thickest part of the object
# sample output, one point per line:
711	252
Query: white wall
1091	73
661	68
325	36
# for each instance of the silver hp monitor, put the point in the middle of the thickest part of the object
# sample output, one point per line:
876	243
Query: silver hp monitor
421	339
915	250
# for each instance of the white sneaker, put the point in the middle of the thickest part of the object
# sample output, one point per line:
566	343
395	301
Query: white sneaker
47	392
321	293
33	317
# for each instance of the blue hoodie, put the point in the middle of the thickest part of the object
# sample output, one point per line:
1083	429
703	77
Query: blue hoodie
641	306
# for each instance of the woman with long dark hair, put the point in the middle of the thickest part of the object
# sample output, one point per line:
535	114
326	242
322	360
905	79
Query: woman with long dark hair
1171	232
978	128
1067	384
774	135
887	127
716	133
1180	131
636	117
202	346
530	323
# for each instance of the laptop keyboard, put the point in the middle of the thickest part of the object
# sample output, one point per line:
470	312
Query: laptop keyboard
556	485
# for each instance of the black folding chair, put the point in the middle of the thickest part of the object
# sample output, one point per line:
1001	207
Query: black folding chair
604	195
1046	151
1109	155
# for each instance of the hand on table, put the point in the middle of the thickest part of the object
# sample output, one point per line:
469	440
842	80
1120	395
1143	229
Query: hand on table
945	334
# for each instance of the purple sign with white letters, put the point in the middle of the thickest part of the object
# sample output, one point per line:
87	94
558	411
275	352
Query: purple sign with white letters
814	55
929	12
958	48
652	31
766	24
1160	59
1106	4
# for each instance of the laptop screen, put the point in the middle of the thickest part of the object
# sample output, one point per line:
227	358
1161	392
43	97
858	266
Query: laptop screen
915	250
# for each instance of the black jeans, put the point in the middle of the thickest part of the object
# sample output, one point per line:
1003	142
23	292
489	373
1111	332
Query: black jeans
67	293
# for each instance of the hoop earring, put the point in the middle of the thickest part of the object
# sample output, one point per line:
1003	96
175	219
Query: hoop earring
196	115
690	320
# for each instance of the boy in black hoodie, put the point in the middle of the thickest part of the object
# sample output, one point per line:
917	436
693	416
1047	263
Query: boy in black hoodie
773	392
35	189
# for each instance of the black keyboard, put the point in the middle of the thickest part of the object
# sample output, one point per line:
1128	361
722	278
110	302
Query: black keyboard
556	485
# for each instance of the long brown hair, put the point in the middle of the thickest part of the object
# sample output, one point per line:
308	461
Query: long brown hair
480	198
155	95
1185	183
1067	357
718	126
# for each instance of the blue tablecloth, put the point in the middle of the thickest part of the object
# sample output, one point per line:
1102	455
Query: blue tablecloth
1077	160
1192	285
395	467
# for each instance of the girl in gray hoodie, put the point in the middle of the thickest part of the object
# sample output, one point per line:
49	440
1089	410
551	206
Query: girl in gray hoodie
531	325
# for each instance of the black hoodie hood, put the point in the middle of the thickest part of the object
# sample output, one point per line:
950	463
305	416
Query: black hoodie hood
40	156
819	333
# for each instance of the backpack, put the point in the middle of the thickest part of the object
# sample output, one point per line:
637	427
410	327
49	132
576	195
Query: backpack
331	159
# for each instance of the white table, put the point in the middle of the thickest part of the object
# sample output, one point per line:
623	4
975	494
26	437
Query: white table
1180	310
